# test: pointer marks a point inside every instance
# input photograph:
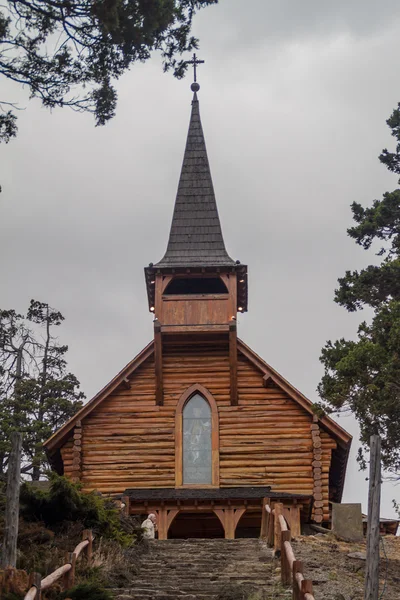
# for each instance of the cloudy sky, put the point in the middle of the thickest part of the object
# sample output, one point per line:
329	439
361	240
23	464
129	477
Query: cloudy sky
294	98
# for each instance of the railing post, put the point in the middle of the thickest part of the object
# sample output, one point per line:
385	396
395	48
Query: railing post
65	576
35	579
277	529
271	529
286	576
264	519
297	568
69	577
88	535
306	588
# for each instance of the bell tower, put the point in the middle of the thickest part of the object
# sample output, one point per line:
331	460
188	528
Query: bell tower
196	288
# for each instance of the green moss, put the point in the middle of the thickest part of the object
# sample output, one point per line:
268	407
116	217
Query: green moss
332	576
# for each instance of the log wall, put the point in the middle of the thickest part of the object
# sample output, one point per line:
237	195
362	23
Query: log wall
128	441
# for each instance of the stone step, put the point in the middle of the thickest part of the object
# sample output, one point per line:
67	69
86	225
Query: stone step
201	576
212	565
157	595
207	582
199	569
203	573
225	544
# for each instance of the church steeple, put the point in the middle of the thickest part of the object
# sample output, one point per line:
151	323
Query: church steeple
196	289
196	244
196	237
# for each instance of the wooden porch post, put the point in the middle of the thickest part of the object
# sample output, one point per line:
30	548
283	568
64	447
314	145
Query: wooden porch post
162	523
127	503
229	523
277	532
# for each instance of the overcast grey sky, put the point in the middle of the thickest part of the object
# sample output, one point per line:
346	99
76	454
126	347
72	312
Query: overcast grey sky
294	98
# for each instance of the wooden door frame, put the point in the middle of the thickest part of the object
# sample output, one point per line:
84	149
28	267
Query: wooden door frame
185	397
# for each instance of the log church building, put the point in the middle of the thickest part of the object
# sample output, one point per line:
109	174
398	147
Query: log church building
198	428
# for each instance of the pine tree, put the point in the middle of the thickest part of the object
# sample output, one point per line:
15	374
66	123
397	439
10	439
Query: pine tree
37	392
364	375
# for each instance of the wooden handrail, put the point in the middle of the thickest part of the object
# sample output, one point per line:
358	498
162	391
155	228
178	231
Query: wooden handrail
282	523
44	584
276	530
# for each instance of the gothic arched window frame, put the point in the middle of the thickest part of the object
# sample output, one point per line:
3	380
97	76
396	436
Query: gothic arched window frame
194	389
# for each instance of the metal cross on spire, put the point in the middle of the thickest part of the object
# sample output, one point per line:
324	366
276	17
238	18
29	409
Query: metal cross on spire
195	61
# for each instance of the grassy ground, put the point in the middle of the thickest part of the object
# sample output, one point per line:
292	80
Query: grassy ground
336	576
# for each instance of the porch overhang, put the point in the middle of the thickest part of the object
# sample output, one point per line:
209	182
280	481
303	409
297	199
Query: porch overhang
209	494
228	504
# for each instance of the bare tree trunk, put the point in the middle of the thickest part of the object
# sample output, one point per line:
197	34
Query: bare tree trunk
374	501
9	550
43	381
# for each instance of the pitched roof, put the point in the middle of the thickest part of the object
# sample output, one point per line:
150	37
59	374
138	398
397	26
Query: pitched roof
341	435
196	237
57	439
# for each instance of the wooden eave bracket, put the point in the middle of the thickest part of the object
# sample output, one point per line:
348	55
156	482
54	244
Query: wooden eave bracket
126	383
269	377
342	437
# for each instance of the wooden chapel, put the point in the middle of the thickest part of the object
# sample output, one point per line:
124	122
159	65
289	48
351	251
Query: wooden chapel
197	428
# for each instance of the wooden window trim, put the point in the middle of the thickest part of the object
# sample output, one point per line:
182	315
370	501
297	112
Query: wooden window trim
191	391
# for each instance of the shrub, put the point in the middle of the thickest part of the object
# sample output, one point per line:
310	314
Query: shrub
11	596
87	591
64	502
112	565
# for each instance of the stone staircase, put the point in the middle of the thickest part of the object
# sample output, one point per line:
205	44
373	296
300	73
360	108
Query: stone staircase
202	569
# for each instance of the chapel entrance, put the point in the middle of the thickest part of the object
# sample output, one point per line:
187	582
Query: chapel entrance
229	513
249	525
196	525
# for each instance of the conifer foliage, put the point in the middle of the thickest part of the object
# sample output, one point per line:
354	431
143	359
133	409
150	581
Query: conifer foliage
69	52
64	503
364	375
37	393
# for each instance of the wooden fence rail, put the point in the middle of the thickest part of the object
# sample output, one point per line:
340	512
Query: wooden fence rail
275	530
66	572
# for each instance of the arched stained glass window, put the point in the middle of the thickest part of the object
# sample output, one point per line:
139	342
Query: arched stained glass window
197	447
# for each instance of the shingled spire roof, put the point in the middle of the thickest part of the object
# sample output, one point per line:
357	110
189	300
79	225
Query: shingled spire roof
195	238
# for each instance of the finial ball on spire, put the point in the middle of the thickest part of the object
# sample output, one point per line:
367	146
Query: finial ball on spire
195	87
